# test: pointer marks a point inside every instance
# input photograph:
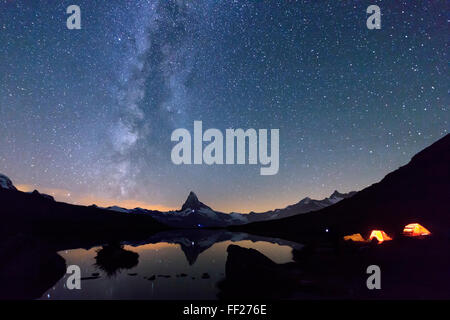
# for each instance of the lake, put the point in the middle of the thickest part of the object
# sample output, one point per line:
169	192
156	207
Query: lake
170	265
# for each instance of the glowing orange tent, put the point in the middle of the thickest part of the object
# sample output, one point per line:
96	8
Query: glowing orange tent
380	235
357	237
415	229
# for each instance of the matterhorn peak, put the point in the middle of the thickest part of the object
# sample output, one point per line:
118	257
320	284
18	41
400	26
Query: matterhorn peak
193	203
6	183
192	197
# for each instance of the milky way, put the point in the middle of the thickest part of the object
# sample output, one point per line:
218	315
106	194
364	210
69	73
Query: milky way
87	114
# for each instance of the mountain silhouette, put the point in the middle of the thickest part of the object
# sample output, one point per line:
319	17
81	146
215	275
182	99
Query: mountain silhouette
36	212
417	192
196	214
303	206
193	213
193	203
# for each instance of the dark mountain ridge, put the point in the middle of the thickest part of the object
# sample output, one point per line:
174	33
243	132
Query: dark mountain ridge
36	213
196	214
416	192
303	206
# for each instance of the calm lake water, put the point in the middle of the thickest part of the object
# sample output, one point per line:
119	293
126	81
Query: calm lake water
167	267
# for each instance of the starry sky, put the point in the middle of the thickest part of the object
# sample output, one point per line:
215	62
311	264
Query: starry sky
86	115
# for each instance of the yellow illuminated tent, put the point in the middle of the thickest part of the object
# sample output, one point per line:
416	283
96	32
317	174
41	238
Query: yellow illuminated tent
380	235
415	229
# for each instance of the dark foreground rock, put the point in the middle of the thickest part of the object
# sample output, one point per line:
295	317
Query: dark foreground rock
411	268
113	258
28	268
251	275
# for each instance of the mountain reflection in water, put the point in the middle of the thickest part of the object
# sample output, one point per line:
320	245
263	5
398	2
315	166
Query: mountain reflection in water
182	264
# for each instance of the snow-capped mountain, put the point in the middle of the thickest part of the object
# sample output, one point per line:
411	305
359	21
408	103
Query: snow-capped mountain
193	203
6	183
303	206
196	214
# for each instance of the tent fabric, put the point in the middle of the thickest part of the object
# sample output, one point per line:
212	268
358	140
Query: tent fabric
415	230
380	235
357	237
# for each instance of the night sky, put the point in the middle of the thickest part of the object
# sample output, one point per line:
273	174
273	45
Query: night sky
86	115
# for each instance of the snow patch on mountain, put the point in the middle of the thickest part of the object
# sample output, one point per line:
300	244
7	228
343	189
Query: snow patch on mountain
6	183
196	214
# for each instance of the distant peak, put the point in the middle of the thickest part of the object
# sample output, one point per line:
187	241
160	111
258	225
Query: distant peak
336	194
193	203
306	200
